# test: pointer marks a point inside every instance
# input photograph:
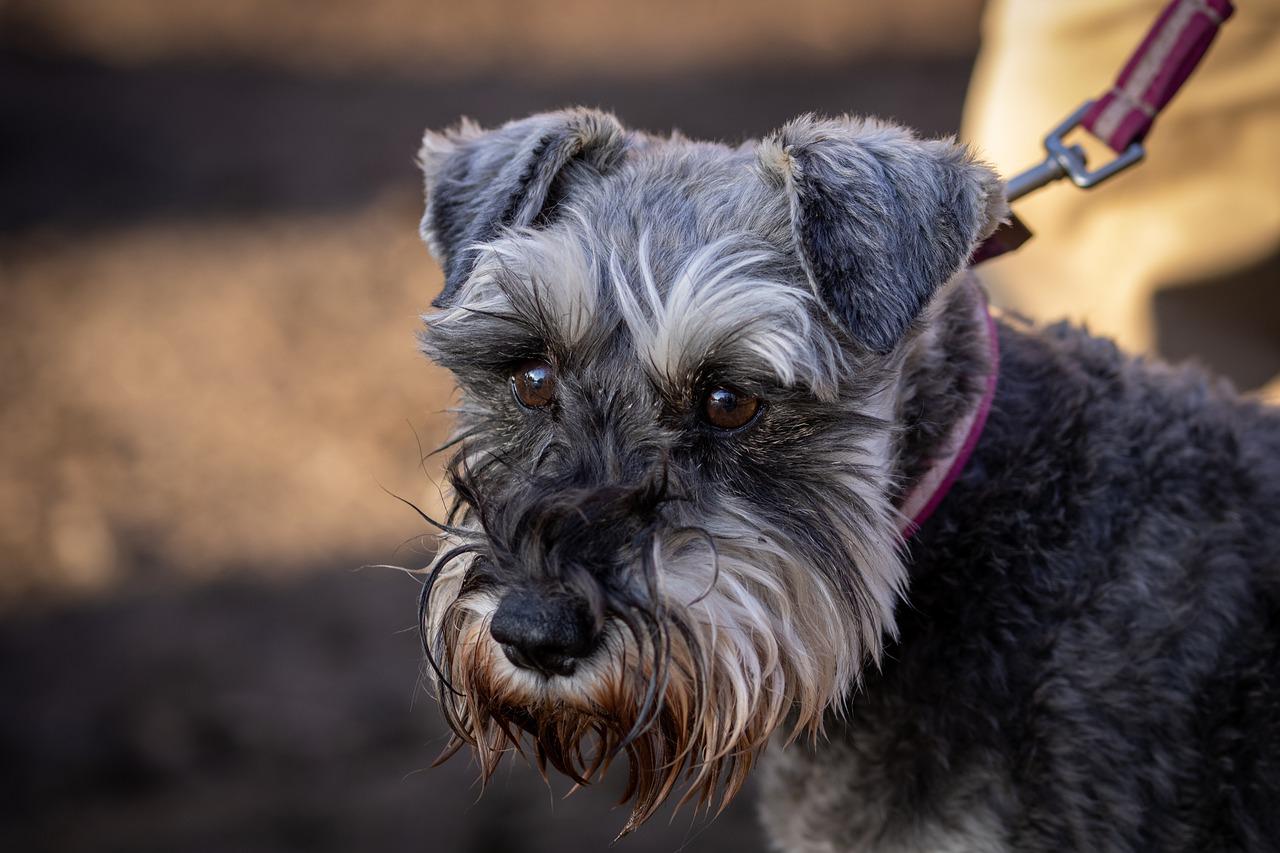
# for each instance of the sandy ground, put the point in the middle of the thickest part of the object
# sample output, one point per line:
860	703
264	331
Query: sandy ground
209	285
186	397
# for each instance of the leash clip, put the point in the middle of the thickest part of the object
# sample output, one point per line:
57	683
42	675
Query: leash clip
1070	161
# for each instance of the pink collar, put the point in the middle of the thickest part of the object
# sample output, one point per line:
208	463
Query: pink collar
931	488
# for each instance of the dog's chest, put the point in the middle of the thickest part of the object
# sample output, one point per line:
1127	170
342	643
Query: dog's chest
839	798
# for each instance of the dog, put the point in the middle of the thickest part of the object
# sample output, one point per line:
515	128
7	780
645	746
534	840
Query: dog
743	460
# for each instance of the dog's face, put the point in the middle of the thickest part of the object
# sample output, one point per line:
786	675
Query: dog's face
674	528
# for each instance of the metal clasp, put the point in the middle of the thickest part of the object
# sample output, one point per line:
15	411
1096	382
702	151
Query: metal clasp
1069	161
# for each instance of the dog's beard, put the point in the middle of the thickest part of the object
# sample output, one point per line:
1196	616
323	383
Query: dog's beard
744	640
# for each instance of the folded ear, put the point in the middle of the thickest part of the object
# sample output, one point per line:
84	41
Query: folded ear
880	218
479	182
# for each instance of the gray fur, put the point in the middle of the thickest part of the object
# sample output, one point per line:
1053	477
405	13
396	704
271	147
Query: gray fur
1090	656
478	182
872	204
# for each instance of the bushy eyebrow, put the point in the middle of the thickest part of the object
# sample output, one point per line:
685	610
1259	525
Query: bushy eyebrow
730	303
529	292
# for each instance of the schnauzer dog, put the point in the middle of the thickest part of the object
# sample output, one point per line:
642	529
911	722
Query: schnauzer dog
743	460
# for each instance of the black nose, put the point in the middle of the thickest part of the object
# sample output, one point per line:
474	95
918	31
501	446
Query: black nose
545	632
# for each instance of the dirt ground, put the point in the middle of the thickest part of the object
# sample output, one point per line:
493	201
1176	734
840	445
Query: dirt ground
209	285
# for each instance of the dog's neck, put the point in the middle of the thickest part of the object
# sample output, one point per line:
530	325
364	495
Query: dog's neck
948	381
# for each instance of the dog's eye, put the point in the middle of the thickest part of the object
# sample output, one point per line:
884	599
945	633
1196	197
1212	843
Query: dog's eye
534	383
729	408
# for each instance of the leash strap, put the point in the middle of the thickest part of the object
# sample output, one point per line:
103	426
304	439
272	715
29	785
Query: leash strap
1122	116
1162	63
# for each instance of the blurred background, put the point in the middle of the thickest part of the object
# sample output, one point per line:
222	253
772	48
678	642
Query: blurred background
209	283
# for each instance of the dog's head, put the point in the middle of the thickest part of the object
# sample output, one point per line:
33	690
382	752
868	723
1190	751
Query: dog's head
674	526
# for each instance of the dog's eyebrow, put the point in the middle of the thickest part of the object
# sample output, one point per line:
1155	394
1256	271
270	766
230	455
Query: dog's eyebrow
547	277
729	303
528	290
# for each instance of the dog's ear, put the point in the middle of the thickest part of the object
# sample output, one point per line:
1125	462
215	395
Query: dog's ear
479	182
880	218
